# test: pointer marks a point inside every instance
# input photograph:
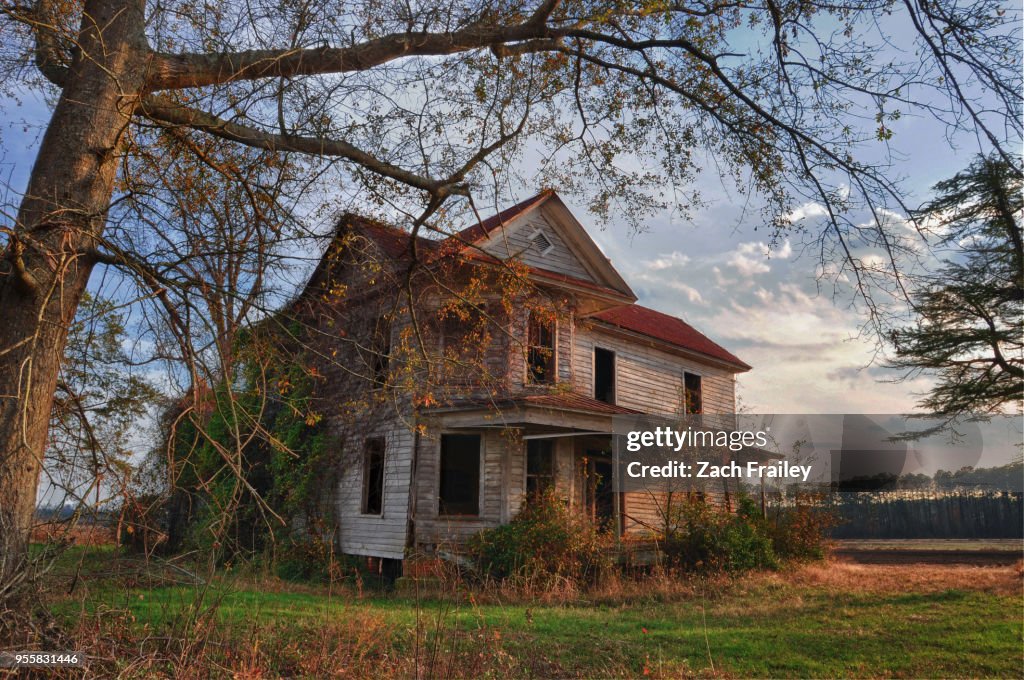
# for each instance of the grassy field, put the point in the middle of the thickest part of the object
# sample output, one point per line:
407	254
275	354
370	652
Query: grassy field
824	620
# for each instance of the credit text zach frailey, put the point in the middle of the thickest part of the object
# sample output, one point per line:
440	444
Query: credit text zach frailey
707	470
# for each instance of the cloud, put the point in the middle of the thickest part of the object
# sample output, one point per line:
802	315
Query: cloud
673	259
808	354
805	211
831	272
760	300
784	315
873	261
752	257
691	293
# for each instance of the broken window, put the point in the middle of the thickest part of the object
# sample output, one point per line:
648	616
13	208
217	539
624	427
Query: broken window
459	492
604	375
373	476
693	401
541	355
464	333
381	350
540	467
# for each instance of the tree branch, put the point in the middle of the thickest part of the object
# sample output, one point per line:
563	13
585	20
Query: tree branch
162	110
176	71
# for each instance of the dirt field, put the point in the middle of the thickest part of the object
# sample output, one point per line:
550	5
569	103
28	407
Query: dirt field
80	534
928	551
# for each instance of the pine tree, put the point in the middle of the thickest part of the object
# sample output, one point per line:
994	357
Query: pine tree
968	329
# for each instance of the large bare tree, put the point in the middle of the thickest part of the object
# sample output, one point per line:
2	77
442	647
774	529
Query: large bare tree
414	104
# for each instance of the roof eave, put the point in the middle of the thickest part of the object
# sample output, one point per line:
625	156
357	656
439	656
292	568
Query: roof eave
732	367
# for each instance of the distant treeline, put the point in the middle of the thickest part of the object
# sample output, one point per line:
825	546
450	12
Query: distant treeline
967	503
1003	478
86	514
928	514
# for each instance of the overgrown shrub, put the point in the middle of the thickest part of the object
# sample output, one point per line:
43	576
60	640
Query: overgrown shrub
250	455
306	561
707	538
545	542
800	532
704	537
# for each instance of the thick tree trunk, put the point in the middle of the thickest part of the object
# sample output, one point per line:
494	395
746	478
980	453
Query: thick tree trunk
46	264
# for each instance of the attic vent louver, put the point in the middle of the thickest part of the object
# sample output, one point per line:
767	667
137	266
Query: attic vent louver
541	242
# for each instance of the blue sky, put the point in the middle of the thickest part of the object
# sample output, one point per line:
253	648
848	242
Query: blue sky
717	271
764	299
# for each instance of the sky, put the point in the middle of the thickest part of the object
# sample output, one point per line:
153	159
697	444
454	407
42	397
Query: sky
762	299
716	271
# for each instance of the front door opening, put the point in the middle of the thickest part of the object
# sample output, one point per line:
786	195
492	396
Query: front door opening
599	489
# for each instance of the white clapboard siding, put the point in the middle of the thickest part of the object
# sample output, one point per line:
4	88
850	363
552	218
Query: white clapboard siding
649	379
442	530
515	240
648	513
383	535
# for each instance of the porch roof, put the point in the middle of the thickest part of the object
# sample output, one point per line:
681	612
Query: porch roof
567	411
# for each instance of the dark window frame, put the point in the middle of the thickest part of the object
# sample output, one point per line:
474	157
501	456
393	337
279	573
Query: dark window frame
469	505
606	395
541	351
372	502
693	393
542	480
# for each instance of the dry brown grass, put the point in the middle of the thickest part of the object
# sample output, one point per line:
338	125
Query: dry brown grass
77	534
918	578
361	644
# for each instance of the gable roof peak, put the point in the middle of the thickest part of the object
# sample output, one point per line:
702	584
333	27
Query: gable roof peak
482	229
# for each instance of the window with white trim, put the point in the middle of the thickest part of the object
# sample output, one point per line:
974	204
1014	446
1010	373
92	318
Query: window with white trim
541	364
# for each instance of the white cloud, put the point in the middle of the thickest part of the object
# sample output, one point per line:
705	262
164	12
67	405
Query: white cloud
831	272
761	302
673	259
805	211
807	354
691	293
873	261
752	257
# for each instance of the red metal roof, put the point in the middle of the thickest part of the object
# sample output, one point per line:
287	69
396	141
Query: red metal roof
559	401
670	329
480	230
394	241
571	401
652	323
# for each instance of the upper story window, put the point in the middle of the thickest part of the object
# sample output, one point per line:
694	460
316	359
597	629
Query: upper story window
462	331
380	348
693	399
604	375
541	365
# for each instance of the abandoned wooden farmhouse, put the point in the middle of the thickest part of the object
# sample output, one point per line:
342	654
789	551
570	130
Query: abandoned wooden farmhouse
464	374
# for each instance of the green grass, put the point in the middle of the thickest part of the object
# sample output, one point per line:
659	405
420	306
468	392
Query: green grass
757	627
